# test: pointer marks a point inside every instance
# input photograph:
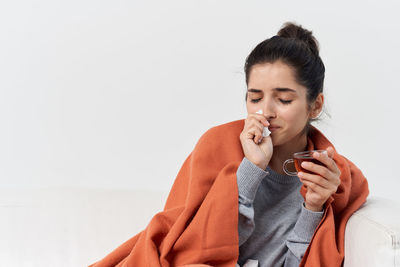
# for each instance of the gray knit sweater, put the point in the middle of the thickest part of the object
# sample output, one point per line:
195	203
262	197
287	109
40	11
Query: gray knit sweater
275	228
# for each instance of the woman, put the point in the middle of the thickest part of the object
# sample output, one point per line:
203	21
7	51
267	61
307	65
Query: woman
284	76
231	203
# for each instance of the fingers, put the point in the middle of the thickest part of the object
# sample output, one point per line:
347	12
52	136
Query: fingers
315	187
331	152
321	192
317	183
258	118
254	125
331	178
255	132
324	176
326	160
315	179
316	195
323	181
316	169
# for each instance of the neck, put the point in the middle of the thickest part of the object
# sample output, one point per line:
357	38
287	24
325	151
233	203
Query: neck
285	151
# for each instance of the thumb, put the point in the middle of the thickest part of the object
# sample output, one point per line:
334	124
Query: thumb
331	152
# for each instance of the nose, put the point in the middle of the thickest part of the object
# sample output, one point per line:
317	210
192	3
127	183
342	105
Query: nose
269	111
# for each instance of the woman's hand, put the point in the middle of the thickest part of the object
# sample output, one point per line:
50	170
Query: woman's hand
323	183
258	153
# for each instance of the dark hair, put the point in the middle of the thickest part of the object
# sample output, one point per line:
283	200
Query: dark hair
298	48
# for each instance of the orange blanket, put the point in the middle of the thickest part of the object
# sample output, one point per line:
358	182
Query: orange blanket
199	222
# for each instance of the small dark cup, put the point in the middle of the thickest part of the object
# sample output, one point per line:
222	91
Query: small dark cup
298	158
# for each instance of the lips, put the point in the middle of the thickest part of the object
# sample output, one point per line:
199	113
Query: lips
273	128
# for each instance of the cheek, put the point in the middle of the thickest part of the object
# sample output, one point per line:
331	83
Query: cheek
294	118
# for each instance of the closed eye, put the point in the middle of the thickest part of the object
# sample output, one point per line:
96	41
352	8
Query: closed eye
285	102
255	100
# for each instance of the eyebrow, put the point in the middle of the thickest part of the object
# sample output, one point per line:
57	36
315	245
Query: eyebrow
279	89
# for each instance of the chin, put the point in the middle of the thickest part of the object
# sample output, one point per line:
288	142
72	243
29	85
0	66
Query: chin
279	139
275	141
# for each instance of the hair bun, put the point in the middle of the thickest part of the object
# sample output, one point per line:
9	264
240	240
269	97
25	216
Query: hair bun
292	30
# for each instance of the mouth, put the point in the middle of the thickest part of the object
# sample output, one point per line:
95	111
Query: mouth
273	129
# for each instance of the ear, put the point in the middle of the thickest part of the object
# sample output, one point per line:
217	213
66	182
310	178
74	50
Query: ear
316	107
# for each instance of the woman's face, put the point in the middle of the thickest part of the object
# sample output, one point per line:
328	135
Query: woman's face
273	89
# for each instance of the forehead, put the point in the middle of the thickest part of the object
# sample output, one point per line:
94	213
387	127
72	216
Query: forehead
277	77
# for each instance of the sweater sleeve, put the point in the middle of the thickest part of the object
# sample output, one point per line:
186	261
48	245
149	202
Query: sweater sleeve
249	177
300	237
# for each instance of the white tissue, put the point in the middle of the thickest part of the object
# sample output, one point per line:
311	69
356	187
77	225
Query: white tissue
266	131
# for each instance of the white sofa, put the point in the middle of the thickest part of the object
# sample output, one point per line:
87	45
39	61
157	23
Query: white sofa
372	236
78	226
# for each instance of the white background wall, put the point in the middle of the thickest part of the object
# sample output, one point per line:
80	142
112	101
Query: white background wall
115	94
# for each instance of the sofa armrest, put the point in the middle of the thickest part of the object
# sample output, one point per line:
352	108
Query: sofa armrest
372	235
